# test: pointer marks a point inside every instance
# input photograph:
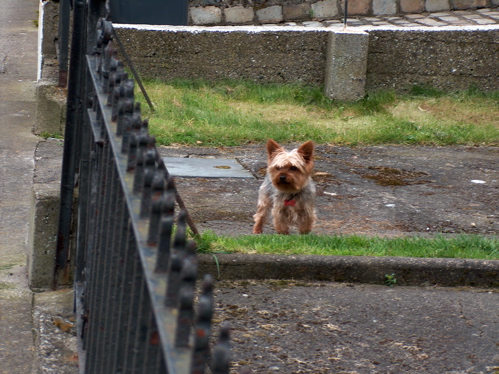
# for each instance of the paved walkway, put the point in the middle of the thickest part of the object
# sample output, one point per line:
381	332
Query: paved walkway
18	41
457	18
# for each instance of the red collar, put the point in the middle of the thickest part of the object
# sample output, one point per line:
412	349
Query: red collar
291	201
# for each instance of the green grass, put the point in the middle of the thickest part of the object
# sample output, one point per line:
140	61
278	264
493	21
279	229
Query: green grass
234	113
462	246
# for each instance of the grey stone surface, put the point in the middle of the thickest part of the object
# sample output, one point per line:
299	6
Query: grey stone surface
206	16
307	327
354	269
345	75
271	14
50	108
261	55
384	7
44	214
55	337
43	235
18	40
325	9
450	60
437	5
296	11
205	168
239	15
49	23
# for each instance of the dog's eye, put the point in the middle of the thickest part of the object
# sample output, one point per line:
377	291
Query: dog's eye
293	168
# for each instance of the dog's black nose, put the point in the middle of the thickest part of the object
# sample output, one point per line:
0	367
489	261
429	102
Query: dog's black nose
282	178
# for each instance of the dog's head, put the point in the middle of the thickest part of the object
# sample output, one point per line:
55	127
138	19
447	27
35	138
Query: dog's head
290	171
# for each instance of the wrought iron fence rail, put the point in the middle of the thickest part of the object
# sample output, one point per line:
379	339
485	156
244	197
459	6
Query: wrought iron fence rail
136	271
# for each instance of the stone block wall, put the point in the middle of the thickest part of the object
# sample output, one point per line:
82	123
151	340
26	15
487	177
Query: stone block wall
241	12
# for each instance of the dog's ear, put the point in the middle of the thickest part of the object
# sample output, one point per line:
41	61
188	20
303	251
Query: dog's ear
273	148
306	150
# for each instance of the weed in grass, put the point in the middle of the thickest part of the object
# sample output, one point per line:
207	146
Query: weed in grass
390	280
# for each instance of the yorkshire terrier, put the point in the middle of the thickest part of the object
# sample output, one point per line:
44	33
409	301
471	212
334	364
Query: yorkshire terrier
287	189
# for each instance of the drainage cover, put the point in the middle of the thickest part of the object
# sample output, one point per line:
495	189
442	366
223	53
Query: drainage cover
205	168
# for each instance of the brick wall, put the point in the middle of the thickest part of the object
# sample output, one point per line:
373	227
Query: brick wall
241	12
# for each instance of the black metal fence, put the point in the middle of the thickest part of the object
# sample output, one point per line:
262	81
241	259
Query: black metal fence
135	270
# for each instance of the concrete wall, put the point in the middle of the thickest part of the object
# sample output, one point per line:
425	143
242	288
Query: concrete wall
266	55
42	237
396	59
448	60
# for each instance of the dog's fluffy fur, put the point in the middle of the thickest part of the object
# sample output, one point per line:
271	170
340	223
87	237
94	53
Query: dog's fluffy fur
287	189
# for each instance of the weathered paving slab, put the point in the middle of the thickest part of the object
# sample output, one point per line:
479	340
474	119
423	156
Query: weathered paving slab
300	327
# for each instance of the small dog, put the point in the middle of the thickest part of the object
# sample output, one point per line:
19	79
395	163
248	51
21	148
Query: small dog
287	189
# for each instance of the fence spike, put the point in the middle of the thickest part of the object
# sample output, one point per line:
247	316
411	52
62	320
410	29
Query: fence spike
138	181
125	105
105	35
186	298
177	256
132	152
115	96
202	327
109	51
114	82
165	234
149	171
113	68
145	201
221	353
179	241
157	198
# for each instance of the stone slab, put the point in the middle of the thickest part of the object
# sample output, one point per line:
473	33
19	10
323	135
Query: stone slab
205	168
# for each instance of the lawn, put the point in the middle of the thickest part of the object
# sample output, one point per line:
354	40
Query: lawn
235	113
460	246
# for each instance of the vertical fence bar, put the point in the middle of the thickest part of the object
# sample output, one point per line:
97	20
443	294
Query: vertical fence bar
74	118
63	42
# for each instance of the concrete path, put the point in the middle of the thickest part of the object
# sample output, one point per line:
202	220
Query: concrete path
488	17
18	59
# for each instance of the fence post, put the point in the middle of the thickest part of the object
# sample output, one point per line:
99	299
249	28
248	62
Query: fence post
74	119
